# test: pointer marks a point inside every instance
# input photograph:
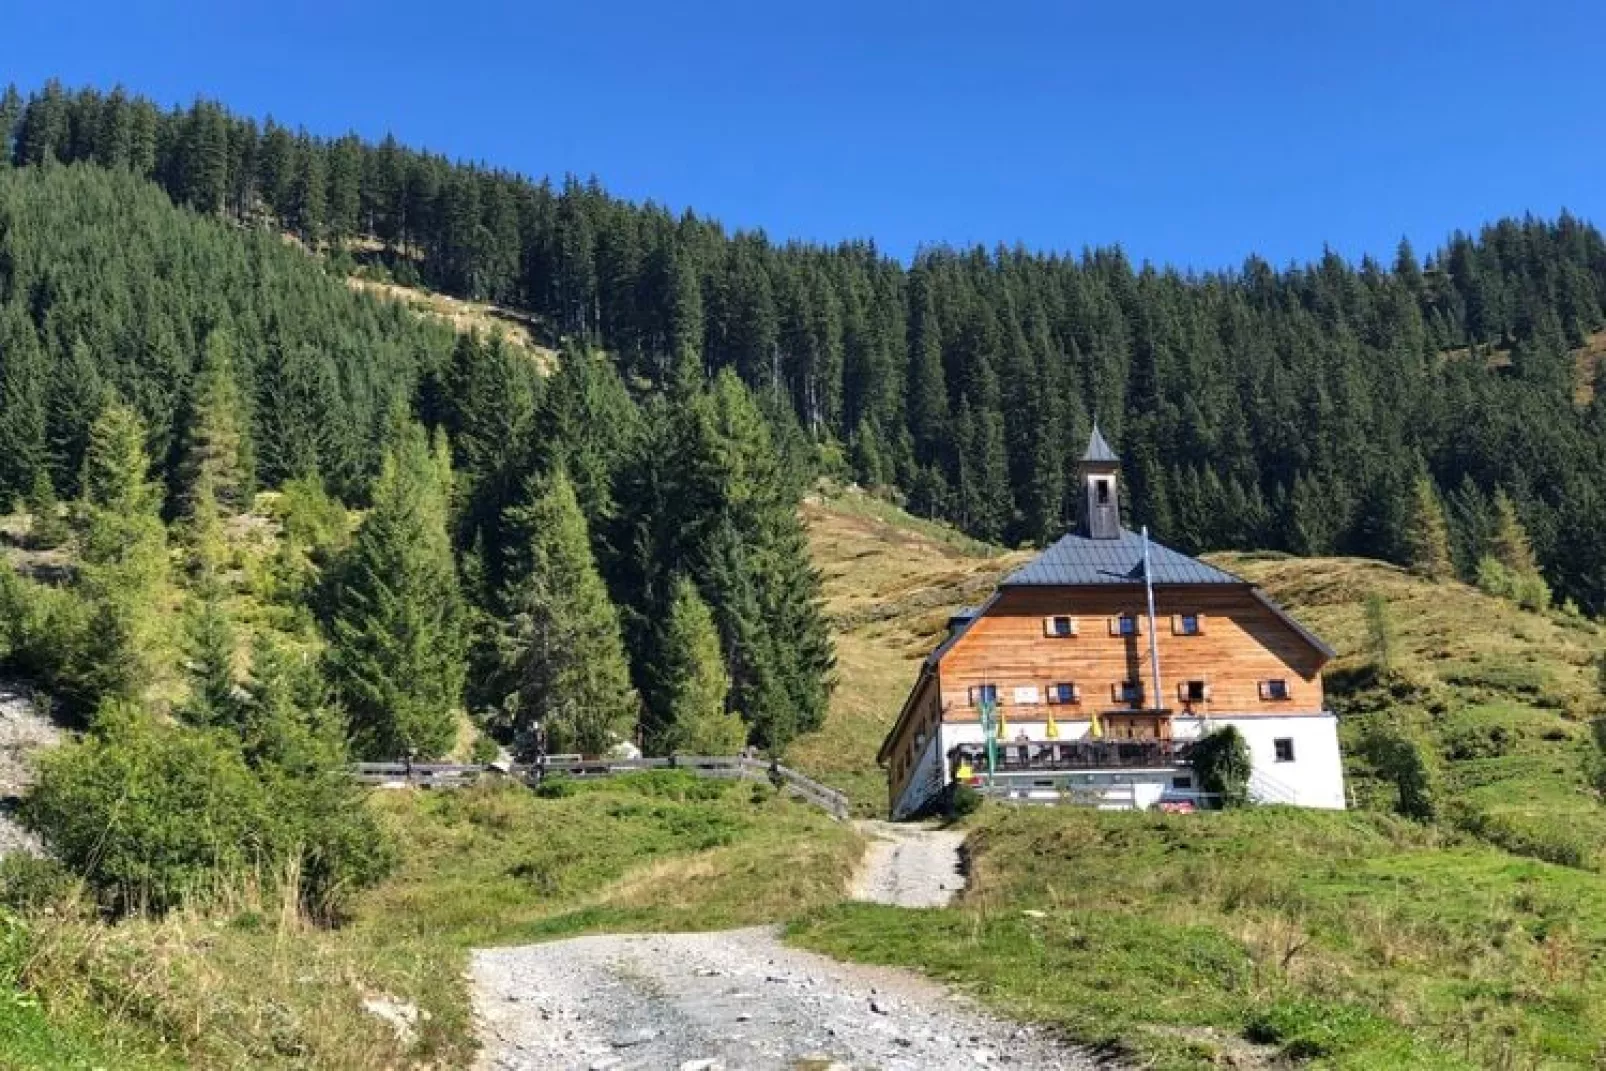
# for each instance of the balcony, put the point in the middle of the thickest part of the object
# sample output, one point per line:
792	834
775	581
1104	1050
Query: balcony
1048	756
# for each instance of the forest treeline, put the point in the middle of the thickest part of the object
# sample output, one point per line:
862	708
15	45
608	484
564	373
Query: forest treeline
272	522
1291	408
562	536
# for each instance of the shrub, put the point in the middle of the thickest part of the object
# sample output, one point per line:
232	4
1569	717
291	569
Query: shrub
966	800
150	815
483	750
1401	760
1222	762
29	883
43	632
1380	637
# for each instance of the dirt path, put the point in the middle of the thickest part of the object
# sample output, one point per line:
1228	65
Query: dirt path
909	866
727	1001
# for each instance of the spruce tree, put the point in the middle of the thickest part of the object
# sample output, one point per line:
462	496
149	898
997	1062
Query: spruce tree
395	629
47	528
562	653
1426	535
690	683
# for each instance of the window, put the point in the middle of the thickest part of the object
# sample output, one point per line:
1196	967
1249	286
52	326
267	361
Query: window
1063	693
1193	691
1274	689
1126	625
1284	746
1128	692
1188	624
983	693
1101	489
1182	782
1060	625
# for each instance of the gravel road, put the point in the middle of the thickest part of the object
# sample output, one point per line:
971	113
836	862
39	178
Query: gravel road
727	1001
909	866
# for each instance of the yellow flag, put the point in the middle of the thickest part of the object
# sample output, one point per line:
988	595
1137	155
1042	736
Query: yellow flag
1095	729
1052	730
1001	729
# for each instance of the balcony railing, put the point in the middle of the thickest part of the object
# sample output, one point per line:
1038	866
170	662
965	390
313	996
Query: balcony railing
1076	755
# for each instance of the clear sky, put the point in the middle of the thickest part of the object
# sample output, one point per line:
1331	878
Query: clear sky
1190	133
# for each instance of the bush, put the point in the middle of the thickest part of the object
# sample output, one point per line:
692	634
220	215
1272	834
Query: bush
43	632
1402	760
150	815
483	750
29	883
966	800
1222	762
153	815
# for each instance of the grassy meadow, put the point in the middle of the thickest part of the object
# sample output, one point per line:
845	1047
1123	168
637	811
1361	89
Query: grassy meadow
1259	937
1271	936
240	982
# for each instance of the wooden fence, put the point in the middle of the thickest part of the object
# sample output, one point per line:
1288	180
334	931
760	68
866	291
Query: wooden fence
735	767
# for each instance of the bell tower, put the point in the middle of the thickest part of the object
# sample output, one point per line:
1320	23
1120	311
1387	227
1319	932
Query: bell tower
1099	470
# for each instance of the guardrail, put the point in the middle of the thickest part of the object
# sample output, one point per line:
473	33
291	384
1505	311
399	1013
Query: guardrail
734	767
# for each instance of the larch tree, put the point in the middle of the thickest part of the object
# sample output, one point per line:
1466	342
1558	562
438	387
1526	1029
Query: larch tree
1427	535
562	653
395	629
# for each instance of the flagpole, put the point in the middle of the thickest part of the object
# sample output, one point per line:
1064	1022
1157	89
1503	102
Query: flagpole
1154	633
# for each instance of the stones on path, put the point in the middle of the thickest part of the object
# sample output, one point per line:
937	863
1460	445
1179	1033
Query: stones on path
728	1001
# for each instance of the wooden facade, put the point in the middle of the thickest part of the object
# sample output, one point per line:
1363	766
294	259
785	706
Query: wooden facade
1240	645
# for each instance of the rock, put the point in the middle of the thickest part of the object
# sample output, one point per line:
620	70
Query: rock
628	1038
875	1006
982	1057
605	1063
400	1014
1032	913
744	1018
700	1065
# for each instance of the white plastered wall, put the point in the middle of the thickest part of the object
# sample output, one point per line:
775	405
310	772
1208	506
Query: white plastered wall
1315	777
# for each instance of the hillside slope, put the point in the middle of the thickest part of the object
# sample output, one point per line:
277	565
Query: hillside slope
1505	694
1268	937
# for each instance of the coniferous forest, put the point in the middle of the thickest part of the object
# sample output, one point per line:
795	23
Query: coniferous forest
1294	409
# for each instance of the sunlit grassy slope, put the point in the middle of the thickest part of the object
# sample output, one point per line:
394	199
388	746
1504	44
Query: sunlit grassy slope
1270	937
891	582
1505	694
242	983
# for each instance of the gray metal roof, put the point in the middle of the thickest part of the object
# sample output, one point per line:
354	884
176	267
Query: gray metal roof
1097	448
1078	560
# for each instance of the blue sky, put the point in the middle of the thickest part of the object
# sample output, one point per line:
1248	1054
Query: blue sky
1192	134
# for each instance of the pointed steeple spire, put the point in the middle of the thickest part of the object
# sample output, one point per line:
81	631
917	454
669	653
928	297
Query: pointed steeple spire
1097	449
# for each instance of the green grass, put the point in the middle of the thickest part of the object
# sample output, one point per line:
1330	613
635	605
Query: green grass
1358	941
248	983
